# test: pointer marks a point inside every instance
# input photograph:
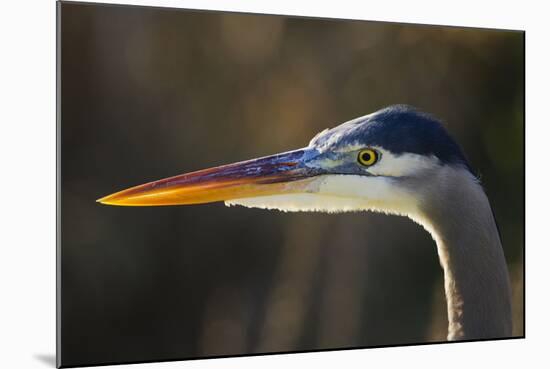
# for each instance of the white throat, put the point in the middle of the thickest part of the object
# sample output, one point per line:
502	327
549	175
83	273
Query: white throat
337	194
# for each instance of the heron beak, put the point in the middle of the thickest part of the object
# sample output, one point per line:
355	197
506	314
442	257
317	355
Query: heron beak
278	174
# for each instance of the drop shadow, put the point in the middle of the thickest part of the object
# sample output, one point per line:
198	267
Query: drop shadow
48	359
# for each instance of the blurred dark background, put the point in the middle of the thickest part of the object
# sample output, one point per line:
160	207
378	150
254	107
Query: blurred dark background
149	93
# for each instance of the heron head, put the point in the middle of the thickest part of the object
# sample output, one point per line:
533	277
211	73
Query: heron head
376	162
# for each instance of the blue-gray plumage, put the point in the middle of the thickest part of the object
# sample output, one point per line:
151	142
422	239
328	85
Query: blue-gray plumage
397	161
400	129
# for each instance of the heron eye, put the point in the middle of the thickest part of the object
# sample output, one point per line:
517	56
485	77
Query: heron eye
367	157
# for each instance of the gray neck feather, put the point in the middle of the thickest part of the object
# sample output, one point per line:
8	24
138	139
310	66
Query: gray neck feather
457	213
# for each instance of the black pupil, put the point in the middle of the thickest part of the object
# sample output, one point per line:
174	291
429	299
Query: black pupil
366	156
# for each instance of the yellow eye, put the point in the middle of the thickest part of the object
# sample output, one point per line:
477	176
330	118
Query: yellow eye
367	157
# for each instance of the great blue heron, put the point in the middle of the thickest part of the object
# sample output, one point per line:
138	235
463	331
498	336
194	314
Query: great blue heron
397	161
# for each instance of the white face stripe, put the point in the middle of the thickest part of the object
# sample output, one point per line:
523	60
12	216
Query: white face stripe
402	165
389	164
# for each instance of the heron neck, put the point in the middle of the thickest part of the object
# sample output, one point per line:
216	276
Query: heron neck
477	288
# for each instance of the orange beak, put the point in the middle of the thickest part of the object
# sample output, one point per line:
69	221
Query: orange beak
277	174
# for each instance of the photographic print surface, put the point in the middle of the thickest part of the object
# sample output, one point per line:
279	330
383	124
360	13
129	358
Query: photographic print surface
404	225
